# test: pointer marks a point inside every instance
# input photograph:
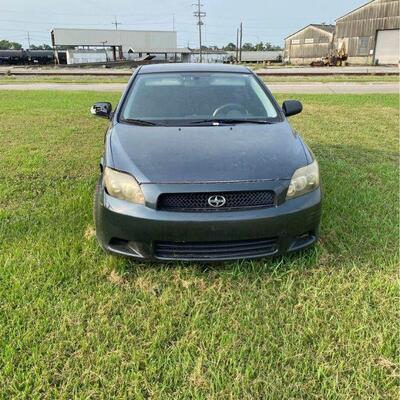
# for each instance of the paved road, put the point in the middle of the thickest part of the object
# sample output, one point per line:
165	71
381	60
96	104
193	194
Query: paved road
312	87
338	88
278	70
330	70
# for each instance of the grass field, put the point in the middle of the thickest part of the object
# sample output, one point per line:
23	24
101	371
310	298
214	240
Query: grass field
124	79
76	323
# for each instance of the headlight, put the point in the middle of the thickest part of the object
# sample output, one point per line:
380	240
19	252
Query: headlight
304	180
122	186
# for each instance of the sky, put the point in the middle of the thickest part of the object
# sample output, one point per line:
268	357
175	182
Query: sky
263	20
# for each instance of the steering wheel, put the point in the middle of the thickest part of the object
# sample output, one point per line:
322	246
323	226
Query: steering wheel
226	108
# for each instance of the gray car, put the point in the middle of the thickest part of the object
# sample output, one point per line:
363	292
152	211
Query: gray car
200	163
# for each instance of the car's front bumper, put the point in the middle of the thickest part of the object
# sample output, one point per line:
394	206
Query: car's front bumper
139	231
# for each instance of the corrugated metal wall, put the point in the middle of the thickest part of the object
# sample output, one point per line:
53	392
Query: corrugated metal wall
258	56
302	50
126	38
358	29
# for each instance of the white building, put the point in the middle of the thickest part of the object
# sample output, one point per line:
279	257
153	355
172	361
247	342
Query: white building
120	42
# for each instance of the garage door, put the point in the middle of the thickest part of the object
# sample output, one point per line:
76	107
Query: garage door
388	47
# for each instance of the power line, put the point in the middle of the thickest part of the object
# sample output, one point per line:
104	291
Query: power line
23	30
260	27
116	23
91	15
199	14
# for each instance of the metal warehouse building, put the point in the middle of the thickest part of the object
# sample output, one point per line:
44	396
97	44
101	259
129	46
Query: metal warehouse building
255	57
370	34
120	42
309	44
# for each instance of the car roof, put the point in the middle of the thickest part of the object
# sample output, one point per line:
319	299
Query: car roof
192	67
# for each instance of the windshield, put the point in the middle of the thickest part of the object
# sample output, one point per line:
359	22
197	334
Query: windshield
186	98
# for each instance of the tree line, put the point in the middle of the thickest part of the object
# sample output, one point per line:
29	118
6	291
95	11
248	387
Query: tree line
8	45
261	46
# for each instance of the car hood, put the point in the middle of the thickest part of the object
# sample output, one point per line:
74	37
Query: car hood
206	153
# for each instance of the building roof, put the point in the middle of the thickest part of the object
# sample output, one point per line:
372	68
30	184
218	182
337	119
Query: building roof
193	67
96	30
323	27
177	50
208	51
356	9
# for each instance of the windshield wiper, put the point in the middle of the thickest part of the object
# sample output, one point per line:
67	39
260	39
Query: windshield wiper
141	122
232	121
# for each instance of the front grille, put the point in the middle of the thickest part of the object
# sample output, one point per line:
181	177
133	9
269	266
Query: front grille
215	250
199	201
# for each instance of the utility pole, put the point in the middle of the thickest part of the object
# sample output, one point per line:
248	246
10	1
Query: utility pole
199	14
240	42
29	41
237	45
173	22
116	23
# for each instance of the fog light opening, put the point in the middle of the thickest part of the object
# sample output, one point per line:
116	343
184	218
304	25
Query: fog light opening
123	246
303	240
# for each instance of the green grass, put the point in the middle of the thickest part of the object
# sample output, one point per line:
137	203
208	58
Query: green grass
124	79
76	323
15	79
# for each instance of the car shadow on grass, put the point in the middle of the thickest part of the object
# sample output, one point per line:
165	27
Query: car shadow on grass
304	259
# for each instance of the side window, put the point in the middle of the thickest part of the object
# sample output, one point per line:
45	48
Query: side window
262	97
362	49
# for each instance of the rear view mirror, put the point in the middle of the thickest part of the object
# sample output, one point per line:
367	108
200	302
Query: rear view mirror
101	109
292	107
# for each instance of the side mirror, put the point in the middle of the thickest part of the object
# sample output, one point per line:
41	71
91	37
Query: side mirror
101	110
292	107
